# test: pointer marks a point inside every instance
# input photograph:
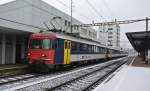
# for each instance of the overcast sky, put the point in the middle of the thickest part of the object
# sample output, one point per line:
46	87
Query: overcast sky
106	10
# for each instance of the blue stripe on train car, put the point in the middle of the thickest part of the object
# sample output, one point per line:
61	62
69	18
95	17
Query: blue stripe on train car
59	52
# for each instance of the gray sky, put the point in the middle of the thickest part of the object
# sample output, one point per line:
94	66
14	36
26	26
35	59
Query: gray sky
108	9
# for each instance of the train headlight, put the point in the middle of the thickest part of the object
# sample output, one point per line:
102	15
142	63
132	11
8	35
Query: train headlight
30	62
43	55
29	54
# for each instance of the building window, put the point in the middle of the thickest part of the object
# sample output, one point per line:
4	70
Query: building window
65	22
109	44
110	32
110	28
69	24
77	27
109	36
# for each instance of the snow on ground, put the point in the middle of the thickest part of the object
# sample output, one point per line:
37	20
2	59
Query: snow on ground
129	78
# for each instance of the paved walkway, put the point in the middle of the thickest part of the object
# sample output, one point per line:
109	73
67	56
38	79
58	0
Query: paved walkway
132	77
139	62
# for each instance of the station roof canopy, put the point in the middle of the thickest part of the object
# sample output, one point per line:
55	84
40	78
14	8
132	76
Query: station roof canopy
139	40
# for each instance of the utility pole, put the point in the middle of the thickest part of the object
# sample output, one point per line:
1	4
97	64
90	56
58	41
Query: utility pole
146	23
146	50
71	17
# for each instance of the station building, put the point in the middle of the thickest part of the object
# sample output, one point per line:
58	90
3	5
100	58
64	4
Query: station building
20	18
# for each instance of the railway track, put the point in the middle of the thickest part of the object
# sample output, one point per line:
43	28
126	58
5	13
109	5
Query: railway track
13	70
87	81
76	80
16	78
58	80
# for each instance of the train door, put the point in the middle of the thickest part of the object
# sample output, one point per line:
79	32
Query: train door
67	46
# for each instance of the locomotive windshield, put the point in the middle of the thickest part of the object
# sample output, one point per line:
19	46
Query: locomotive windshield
40	44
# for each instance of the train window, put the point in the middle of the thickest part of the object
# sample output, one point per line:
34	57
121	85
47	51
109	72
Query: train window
102	50
93	48
90	48
35	44
75	46
111	51
47	44
96	48
81	47
40	43
87	48
78	46
66	44
69	45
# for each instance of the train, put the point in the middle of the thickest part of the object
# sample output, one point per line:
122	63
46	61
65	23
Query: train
48	50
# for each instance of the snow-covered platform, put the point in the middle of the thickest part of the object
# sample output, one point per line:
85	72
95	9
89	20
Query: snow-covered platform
132	77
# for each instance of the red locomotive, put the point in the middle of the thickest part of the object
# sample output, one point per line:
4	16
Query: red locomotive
48	50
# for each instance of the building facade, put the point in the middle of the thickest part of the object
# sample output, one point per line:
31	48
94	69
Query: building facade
20	18
110	35
103	37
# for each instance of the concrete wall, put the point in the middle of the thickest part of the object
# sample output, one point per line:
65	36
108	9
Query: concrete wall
35	12
103	37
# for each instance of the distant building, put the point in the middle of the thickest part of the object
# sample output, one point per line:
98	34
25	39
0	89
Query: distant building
110	35
103	37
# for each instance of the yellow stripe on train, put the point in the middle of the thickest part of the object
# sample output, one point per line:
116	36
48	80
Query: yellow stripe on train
67	46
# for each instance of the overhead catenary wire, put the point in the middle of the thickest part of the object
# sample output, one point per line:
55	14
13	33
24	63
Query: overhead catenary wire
109	9
112	23
95	10
76	11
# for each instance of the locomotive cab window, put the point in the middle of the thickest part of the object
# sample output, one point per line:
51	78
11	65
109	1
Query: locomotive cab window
40	44
47	44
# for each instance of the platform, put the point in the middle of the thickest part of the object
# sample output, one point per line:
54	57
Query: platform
12	68
132	77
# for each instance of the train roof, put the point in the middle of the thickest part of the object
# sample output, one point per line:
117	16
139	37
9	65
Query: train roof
78	39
